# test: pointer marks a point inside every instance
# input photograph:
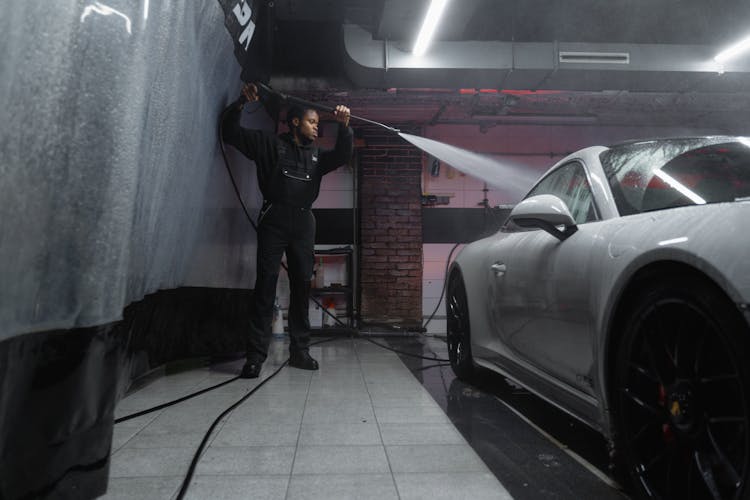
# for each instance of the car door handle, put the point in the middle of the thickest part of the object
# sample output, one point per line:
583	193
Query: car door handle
498	268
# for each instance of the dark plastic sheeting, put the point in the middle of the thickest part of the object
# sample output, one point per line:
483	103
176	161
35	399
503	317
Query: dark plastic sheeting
58	392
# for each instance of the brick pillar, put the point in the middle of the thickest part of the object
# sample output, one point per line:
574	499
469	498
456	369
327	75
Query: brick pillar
390	171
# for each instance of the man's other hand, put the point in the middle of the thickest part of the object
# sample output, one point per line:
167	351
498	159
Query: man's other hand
342	114
250	91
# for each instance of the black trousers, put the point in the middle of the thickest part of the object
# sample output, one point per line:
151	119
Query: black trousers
291	230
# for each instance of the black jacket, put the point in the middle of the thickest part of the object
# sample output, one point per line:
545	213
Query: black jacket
288	173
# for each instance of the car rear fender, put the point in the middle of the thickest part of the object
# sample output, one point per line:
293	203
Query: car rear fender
632	281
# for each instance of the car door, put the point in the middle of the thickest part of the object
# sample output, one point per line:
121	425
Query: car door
540	286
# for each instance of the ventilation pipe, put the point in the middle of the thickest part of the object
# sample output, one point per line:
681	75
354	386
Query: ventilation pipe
539	66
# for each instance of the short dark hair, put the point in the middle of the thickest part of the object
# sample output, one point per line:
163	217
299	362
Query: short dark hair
296	111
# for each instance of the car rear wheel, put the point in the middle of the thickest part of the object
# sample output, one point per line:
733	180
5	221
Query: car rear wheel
459	330
682	393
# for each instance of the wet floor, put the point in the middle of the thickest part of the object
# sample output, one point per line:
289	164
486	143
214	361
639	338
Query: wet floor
526	451
370	423
359	427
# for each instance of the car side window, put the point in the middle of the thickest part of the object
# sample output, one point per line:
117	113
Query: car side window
569	183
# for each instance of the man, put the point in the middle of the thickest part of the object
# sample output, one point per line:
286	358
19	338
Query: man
289	169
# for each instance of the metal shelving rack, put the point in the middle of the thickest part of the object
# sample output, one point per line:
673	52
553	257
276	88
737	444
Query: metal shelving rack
345	290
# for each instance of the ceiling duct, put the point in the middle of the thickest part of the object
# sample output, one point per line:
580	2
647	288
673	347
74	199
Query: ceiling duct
372	63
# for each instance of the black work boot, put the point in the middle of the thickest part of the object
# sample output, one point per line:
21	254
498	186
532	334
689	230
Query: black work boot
302	360
252	367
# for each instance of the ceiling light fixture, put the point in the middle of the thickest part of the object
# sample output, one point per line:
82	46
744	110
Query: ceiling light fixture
733	51
428	26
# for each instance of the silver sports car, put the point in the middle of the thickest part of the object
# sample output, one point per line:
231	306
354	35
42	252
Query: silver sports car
619	291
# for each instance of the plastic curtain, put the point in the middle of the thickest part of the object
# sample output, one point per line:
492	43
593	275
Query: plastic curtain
111	181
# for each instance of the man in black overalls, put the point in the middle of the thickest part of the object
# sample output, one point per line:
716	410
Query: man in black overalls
289	172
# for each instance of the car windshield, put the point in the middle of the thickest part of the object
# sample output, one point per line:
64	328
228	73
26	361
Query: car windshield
654	175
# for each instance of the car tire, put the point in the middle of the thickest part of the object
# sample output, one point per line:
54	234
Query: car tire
682	393
459	328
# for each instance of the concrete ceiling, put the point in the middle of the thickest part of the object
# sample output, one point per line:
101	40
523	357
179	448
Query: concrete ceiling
540	61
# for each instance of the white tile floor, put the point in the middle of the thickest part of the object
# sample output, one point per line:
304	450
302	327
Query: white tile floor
361	427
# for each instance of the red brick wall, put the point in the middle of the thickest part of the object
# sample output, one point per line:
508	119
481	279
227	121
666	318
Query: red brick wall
391	229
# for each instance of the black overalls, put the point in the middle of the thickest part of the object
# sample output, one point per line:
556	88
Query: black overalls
289	178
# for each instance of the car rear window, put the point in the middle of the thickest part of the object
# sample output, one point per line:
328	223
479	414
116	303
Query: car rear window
656	175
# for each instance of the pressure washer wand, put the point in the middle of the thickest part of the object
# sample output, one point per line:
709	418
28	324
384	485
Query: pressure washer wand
314	105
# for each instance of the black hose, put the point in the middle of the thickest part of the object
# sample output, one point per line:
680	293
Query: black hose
202	446
436	365
174	402
435	358
442	292
229	170
199	451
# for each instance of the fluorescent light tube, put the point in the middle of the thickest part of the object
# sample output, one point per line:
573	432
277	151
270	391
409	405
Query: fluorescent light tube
733	51
680	187
428	27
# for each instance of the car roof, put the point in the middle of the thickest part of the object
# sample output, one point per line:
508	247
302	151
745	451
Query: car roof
709	138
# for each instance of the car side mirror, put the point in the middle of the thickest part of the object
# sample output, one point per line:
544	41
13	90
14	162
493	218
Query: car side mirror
545	211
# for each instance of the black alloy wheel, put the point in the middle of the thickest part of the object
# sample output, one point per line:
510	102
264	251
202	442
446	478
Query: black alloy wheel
459	330
682	394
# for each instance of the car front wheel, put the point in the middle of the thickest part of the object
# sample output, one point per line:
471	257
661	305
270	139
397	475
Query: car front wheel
682	393
459	330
